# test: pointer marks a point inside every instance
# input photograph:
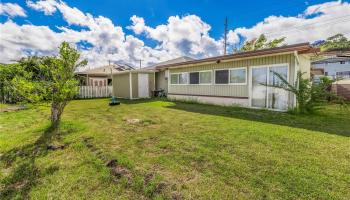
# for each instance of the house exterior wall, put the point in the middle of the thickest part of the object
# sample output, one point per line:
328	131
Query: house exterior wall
161	80
135	85
233	91
121	85
151	83
305	66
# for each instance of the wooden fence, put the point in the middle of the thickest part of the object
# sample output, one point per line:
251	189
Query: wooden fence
342	90
86	92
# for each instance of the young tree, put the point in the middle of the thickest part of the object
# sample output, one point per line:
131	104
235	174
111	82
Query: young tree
261	43
51	79
309	96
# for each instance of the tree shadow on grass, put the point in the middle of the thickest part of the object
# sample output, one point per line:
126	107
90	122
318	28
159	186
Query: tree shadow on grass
322	122
25	173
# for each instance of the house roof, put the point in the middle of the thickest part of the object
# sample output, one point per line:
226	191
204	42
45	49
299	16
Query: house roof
301	48
172	61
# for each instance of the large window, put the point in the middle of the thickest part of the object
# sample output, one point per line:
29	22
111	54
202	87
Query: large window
181	78
238	76
231	76
203	77
174	78
194	78
221	76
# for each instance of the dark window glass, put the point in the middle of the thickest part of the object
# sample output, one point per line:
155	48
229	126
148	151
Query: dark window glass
221	77
194	78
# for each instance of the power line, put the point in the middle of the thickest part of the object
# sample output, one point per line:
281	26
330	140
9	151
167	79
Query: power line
225	37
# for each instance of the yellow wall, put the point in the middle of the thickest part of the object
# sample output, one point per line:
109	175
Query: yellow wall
121	86
229	90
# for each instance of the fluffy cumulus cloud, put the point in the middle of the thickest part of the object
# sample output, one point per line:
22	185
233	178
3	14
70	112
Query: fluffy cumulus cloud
187	35
100	40
47	6
12	10
316	23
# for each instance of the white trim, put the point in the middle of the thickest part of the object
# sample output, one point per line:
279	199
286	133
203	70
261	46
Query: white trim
178	78
268	74
296	69
246	76
130	85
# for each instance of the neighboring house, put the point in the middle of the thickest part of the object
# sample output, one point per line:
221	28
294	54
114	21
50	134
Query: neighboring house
334	67
100	76
236	79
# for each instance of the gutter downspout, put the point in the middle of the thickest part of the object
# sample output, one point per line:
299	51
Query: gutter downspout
296	69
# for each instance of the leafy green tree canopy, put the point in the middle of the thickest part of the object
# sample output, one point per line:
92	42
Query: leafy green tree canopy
337	42
50	79
261	43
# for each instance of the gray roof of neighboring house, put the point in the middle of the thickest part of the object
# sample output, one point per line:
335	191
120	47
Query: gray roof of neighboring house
172	61
332	60
106	70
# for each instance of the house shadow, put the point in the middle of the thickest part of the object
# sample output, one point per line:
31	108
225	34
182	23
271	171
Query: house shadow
25	173
140	101
321	122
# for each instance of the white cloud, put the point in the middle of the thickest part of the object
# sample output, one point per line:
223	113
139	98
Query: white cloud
317	22
107	41
187	35
12	10
47	6
180	35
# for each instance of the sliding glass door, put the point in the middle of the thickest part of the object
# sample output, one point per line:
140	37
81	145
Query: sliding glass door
259	78
263	96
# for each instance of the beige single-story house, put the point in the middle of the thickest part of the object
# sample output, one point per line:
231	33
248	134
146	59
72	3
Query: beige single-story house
236	79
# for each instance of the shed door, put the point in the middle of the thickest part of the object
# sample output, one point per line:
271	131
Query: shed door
143	86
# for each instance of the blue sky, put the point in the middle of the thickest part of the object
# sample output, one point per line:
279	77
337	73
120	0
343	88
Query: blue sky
161	30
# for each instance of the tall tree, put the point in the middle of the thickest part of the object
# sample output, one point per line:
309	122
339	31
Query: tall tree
337	42
261	43
51	79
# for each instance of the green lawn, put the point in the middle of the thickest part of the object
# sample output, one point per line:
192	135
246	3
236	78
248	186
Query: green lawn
174	150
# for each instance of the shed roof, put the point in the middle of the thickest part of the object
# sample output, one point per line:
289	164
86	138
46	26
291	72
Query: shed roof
301	48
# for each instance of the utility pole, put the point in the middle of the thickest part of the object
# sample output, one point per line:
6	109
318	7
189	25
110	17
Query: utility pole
225	36
140	63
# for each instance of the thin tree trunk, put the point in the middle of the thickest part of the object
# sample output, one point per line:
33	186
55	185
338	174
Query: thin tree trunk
55	115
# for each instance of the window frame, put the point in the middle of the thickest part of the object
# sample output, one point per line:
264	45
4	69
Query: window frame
178	78
199	78
229	76
189	78
211	77
178	81
238	68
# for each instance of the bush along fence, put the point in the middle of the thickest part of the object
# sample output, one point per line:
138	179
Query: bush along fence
87	92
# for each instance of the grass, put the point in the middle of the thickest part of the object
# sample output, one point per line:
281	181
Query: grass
175	150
